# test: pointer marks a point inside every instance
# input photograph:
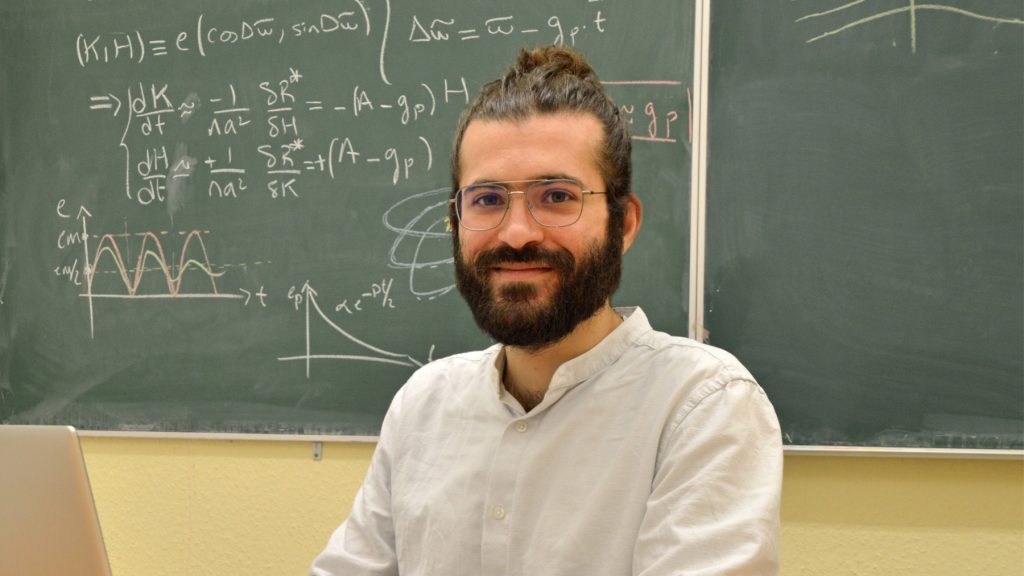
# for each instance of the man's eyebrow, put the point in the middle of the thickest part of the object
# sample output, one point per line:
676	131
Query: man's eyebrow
559	176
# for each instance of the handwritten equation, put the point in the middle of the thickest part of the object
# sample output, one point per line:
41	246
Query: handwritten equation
155	113
208	35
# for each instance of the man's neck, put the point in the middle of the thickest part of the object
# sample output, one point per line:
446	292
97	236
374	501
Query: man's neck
528	372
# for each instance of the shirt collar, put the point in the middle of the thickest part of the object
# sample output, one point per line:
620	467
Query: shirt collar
586	365
605	353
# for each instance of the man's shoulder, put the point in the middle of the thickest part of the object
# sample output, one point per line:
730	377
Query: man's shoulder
651	345
681	348
682	372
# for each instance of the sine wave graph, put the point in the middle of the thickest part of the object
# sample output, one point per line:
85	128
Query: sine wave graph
152	249
151	259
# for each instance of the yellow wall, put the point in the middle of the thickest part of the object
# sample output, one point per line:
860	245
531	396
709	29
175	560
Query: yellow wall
218	507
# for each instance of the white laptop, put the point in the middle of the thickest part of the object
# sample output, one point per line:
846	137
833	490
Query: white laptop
48	522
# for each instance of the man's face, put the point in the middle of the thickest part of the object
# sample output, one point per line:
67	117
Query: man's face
529	285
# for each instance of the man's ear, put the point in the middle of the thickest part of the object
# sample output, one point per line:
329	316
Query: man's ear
633	218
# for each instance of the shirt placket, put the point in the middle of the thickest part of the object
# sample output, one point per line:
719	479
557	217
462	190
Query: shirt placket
499	507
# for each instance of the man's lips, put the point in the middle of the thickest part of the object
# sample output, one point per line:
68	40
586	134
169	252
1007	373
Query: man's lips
516	271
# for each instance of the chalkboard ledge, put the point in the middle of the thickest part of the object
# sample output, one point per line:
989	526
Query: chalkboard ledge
854	451
227	436
883	452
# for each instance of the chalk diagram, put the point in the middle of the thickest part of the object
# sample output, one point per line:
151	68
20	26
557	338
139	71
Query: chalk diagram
423	242
911	8
152	257
422	245
372	353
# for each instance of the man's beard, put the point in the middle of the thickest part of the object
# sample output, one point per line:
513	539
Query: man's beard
514	314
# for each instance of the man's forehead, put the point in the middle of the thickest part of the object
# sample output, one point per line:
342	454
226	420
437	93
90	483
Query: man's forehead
568	144
540	128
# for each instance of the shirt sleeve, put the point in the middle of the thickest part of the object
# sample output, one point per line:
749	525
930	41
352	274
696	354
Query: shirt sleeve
364	545
714	503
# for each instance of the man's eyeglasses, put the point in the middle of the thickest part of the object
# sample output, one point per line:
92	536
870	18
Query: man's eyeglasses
553	203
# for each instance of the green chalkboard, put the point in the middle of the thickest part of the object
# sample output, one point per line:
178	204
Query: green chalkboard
228	216
866	216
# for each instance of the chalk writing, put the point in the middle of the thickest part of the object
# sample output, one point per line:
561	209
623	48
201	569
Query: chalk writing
112	254
379	294
306	297
153	110
451	29
283	134
913	10
135	46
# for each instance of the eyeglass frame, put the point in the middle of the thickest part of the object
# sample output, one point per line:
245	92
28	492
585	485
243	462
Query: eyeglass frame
529	207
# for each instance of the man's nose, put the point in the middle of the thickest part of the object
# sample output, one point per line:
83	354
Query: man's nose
519	227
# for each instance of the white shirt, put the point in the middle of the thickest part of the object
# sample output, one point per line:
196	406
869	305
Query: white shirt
649	455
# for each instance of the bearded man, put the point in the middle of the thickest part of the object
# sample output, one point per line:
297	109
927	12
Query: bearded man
585	443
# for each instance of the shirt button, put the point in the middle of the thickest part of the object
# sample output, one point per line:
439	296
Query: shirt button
499	512
522	426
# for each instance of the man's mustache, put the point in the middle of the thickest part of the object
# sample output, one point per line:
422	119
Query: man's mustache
561	260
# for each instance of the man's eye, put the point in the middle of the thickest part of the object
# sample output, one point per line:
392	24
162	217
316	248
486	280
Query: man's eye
558	196
488	199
